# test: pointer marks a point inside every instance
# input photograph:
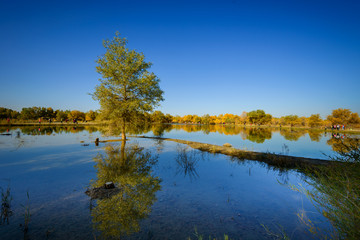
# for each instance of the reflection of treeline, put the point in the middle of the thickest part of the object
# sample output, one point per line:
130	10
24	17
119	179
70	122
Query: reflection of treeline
291	134
48	130
254	134
339	143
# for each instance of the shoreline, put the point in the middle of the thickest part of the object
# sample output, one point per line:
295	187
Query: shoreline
36	124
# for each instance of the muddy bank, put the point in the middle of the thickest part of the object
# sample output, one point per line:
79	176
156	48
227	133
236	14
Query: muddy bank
273	159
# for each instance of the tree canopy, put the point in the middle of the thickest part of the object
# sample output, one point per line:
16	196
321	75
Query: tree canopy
259	117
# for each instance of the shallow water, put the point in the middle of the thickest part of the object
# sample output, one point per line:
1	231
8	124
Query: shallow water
215	194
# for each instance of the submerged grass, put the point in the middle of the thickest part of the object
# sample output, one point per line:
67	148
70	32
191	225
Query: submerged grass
6	211
279	234
198	236
26	214
335	192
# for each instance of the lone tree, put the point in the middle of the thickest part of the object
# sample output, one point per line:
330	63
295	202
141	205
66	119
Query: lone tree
127	89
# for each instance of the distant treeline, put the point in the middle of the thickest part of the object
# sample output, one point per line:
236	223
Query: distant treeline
341	117
36	113
259	117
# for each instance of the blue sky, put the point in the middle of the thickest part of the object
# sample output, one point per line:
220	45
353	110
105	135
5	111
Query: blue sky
285	57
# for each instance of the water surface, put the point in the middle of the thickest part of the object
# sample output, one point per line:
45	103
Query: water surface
179	191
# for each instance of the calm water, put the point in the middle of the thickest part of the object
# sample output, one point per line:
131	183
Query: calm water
179	191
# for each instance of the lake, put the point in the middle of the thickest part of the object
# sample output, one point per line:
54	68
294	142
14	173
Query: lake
166	190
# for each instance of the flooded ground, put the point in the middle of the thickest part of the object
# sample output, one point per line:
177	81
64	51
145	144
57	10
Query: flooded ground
168	191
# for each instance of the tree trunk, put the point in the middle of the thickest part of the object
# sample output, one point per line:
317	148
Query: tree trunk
123	137
123	134
123	142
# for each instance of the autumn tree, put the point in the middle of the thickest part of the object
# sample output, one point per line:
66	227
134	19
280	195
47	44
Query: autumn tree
315	120
354	119
158	117
291	120
340	116
76	114
127	89
90	115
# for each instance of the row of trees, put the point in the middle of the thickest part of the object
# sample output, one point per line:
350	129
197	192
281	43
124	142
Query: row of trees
259	117
35	113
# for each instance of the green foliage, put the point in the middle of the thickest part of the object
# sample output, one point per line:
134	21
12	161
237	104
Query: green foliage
8	113
127	89
159	117
62	115
259	117
34	113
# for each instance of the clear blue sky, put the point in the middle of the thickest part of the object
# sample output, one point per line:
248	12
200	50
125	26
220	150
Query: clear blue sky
226	56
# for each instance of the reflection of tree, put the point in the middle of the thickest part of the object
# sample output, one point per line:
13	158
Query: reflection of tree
130	169
342	145
135	128
258	135
291	134
49	130
159	129
315	136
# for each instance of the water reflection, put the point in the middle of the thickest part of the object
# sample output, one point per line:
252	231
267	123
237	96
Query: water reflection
49	130
130	168
254	134
315	135
258	135
291	134
187	161
340	142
